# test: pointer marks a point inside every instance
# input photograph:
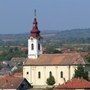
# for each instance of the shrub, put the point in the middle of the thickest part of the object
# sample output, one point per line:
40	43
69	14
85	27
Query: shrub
50	80
81	73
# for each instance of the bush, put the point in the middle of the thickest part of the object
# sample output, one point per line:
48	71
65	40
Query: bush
50	80
81	73
88	58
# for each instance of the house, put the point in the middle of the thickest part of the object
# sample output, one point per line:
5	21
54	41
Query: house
74	84
4	71
18	74
10	82
62	67
38	66
16	61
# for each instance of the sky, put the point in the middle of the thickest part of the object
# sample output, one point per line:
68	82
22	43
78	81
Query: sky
16	16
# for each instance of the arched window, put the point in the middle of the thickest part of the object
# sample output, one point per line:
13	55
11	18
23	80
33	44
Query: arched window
27	72
39	74
50	73
61	74
32	46
38	46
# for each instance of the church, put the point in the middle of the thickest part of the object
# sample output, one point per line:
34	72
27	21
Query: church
39	66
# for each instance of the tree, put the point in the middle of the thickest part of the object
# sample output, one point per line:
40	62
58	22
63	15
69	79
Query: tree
0	66
88	58
81	73
50	80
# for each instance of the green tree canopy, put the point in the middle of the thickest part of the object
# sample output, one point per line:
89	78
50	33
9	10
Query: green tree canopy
81	73
88	58
50	80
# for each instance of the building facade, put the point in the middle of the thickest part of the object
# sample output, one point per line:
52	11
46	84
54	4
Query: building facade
37	75
38	66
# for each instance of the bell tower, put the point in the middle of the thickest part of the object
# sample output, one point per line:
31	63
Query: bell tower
34	41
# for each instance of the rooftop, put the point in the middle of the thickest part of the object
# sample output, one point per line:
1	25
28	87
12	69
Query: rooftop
10	82
75	83
56	59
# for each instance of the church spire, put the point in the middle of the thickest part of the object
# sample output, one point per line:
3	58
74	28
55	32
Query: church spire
35	33
34	40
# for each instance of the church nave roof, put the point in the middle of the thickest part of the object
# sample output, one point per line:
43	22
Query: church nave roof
56	59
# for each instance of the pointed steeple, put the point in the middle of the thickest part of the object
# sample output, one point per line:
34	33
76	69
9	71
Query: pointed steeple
34	41
35	33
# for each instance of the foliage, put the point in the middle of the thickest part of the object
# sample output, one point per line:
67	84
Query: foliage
51	49
19	70
9	52
50	80
0	66
81	73
88	58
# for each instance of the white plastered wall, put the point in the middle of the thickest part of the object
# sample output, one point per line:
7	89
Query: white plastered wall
33	54
32	77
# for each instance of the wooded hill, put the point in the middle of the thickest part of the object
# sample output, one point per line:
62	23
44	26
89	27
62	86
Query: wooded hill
75	36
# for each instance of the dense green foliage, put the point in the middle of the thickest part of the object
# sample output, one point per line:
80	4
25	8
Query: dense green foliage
81	73
9	52
51	49
51	80
0	66
88	58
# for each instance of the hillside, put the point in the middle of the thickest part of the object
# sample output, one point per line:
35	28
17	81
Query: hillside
74	36
75	33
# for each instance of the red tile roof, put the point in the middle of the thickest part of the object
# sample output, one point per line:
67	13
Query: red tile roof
56	59
18	74
75	83
10	82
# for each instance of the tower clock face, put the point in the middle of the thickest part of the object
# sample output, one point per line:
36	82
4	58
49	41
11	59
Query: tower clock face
31	38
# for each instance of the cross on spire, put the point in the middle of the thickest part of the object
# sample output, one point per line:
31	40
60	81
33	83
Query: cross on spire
35	12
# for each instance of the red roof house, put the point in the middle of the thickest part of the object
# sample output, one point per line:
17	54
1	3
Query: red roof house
74	84
10	82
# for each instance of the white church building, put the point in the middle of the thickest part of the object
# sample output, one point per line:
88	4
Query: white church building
38	66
